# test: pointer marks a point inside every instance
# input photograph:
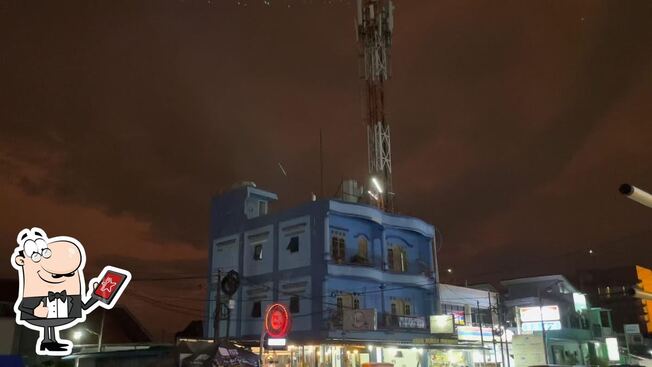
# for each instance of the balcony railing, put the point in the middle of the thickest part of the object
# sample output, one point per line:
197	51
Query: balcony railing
370	320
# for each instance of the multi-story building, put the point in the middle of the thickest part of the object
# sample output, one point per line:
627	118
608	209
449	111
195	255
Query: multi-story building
477	328
360	283
610	288
549	310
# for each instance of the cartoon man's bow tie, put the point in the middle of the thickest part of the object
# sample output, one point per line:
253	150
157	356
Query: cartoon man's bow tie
52	296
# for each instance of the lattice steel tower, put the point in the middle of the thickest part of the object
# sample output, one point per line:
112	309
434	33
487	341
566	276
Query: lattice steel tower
375	23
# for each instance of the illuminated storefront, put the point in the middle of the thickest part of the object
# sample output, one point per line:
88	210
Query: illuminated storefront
355	355
342	355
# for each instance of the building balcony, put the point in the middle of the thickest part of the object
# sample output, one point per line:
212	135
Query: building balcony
370	320
421	280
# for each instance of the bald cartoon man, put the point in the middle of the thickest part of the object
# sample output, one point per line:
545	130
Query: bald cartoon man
52	294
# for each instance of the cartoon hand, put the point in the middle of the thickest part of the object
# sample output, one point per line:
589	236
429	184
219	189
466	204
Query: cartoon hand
41	311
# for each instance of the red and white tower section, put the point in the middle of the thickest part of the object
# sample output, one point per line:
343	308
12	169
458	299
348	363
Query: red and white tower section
374	25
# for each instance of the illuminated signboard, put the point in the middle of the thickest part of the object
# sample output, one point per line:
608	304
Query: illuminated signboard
459	317
411	322
536	326
441	324
276	342
277	321
472	333
547	313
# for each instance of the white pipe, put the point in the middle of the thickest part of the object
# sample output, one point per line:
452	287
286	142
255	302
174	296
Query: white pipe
641	294
636	194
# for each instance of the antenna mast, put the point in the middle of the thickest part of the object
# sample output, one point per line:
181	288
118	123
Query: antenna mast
375	23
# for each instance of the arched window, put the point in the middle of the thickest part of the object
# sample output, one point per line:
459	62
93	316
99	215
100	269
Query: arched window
338	246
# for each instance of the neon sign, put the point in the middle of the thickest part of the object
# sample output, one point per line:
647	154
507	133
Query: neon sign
277	321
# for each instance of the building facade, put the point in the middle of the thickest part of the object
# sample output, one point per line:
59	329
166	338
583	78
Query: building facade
554	323
353	277
609	288
478	331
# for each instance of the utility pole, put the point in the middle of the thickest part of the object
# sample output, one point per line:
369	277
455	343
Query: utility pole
484	356
491	321
99	337
218	306
321	166
543	328
501	321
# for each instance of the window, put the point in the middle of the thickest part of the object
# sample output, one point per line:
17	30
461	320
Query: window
293	246
401	307
356	303
338	248
604	319
363	247
397	259
340	305
294	304
258	252
402	260
390	259
256	310
262	207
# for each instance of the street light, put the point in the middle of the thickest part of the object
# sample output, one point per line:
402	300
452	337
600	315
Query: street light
636	194
77	334
543	327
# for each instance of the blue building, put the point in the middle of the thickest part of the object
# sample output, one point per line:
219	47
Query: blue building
353	277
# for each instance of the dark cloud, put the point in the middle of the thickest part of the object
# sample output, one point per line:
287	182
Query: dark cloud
512	123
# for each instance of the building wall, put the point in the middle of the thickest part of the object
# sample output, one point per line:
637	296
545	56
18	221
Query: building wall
608	288
297	262
262	237
294	238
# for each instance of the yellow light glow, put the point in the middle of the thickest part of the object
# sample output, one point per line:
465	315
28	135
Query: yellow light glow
645	283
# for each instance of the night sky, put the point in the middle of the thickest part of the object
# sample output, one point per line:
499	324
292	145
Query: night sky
513	123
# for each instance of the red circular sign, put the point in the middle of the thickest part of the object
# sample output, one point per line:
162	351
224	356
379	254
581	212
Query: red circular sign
277	321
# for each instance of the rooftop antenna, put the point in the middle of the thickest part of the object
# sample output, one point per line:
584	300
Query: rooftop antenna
374	25
321	167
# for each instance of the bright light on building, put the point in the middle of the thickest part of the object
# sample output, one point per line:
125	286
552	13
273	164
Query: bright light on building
449	270
370	347
276	342
77	334
612	349
377	184
372	195
579	300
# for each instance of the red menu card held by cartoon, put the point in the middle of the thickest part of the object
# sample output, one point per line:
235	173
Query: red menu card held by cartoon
111	284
